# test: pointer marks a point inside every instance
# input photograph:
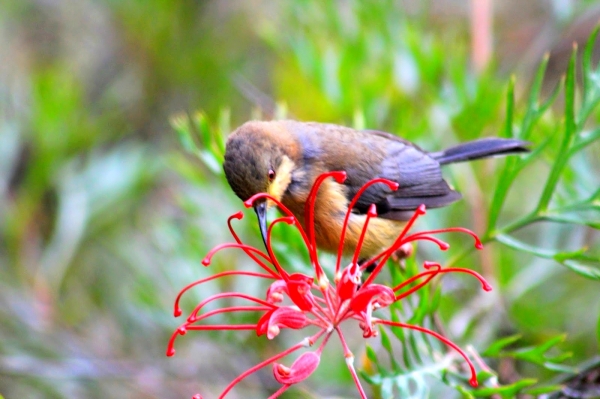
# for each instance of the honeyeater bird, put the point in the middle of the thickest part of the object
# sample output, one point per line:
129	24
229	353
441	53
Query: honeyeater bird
283	158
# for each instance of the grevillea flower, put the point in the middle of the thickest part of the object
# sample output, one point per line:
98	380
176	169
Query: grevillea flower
315	302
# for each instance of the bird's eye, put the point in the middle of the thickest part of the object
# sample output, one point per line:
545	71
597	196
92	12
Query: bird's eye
271	175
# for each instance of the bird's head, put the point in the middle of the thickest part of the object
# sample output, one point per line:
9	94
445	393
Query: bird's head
259	159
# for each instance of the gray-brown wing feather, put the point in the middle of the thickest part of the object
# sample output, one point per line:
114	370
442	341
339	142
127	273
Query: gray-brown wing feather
418	175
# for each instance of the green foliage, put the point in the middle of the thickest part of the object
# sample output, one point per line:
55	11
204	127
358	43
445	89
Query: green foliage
577	202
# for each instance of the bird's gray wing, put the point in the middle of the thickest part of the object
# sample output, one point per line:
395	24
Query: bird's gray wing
417	173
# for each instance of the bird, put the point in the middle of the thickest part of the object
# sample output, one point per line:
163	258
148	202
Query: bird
284	157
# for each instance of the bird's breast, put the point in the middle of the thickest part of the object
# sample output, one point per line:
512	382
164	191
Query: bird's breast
330	208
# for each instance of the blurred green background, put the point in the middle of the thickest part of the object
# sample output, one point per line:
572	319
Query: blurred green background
104	217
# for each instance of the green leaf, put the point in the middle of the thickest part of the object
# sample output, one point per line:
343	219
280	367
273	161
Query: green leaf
543	390
465	392
387	345
224	130
512	242
598	331
593	273
536	87
495	348
371	354
510	107
211	161
201	124
505	391
587	57
568	135
181	125
537	354
584	140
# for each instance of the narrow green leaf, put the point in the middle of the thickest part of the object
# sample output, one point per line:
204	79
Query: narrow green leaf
570	84
224	129
510	107
537	354
592	273
484	376
506	177
211	162
181	125
543	390
495	348
585	140
506	391
435	301
560	368
371	354
598	331
465	393
415	350
568	135
574	218
387	345
512	242
370	379
534	94
587	58
203	128
549	101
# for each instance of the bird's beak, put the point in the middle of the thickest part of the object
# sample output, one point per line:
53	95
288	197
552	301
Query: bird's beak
261	212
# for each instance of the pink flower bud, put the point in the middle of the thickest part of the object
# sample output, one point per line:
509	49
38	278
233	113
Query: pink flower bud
301	369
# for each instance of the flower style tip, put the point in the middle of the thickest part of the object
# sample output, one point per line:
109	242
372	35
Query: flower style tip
300	370
339	176
197	396
473	382
372	212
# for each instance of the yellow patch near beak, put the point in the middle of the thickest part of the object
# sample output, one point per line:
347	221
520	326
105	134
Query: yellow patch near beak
283	178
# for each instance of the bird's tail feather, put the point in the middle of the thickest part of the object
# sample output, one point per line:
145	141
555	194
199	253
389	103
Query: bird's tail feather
478	149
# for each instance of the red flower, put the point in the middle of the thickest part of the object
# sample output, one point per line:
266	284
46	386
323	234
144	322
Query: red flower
316	302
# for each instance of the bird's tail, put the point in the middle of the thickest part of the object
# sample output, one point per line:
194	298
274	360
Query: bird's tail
478	149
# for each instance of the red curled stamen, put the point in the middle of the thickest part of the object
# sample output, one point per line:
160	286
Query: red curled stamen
391	184
472	381
194	315
309	214
370	214
478	243
239	216
177	311
430	274
286	219
208	258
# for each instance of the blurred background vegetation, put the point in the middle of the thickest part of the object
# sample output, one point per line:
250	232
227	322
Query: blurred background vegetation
104	216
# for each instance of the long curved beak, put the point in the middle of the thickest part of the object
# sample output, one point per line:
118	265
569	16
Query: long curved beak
261	213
